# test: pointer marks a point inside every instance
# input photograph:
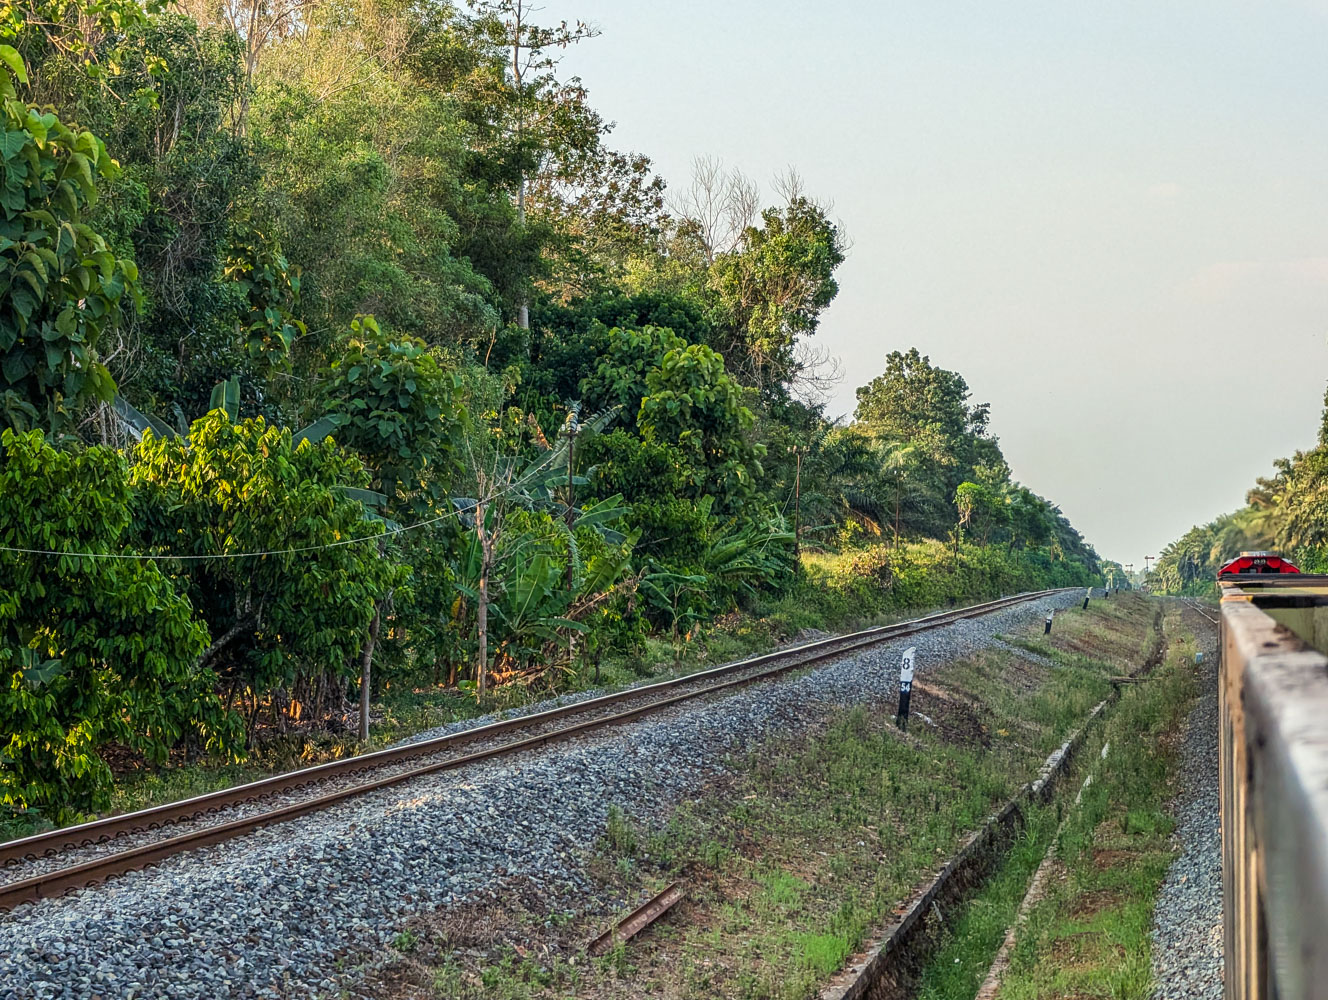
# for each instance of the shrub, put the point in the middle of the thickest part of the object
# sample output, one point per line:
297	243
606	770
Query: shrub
92	650
288	620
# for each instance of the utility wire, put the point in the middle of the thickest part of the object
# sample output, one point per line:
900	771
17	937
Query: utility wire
147	557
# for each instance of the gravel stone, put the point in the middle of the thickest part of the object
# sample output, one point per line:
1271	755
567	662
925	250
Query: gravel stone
1187	921
301	908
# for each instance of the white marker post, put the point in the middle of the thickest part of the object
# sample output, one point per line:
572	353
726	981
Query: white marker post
905	687
1087	594
1047	630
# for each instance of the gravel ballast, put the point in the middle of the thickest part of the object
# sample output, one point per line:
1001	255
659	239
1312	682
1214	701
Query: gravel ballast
290	911
1187	931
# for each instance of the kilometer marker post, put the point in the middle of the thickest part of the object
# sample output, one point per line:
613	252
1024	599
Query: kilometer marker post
1087	594
905	687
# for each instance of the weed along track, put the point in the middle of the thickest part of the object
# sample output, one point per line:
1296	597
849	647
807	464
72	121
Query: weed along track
893	965
49	864
815	836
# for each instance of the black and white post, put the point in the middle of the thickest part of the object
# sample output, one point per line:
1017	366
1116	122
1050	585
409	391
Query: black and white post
1087	594
905	687
1047	629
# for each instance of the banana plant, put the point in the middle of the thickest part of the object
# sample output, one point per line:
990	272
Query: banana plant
226	396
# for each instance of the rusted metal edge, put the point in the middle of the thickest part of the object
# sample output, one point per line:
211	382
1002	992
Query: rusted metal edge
1275	806
111	827
98	870
638	920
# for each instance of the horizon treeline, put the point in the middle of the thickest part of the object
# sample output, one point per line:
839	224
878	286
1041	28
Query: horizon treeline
1285	513
349	333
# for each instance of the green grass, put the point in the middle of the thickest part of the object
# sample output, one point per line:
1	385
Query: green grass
792	866
957	970
1090	935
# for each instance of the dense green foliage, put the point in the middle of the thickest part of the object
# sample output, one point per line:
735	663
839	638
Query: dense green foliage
287	621
377	365
1286	512
91	650
63	285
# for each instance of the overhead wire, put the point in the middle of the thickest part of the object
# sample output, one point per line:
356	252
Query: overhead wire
163	557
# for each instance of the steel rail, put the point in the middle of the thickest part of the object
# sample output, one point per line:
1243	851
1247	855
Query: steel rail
155	817
102	831
638	920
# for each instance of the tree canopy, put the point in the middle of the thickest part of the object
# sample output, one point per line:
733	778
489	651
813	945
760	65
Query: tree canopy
343	351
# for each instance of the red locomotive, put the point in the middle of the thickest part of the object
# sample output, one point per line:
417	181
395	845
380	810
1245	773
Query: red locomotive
1256	562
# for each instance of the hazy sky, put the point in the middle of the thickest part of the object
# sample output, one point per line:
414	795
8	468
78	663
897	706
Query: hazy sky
1111	218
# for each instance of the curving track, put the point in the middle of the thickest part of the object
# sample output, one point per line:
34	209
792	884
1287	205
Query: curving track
90	853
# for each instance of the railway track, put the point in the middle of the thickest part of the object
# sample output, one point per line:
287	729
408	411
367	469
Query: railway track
1199	608
90	853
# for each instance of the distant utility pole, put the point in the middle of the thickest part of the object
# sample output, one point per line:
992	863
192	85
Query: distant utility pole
573	426
797	451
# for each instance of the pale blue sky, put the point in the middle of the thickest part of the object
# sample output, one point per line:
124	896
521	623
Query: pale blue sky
1112	219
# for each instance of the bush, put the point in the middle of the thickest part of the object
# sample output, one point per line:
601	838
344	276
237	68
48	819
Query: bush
94	650
861	583
289	620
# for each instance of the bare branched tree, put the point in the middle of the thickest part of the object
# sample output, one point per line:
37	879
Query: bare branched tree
788	184
817	372
718	204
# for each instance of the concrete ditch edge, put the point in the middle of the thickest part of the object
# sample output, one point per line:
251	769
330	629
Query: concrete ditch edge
889	966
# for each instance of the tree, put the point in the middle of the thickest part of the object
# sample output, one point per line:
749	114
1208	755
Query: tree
1031	519
63	286
365	190
915	401
981	508
927	407
393	404
534	114
621	378
297	574
92	650
692	405
605	210
899	468
718	206
400	411
772	287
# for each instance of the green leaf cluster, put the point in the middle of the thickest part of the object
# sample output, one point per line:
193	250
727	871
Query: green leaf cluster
296	613
60	284
396	407
92	650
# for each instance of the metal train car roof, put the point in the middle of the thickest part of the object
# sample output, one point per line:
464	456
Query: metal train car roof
1256	562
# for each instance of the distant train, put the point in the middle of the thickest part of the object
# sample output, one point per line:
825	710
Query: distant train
1256	562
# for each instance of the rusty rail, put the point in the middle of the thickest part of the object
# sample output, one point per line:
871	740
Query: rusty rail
717	679
1273	712
638	920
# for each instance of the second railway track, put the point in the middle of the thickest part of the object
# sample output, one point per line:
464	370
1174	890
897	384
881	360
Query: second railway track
52	863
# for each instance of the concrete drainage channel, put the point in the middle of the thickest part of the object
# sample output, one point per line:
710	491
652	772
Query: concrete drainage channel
889	966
